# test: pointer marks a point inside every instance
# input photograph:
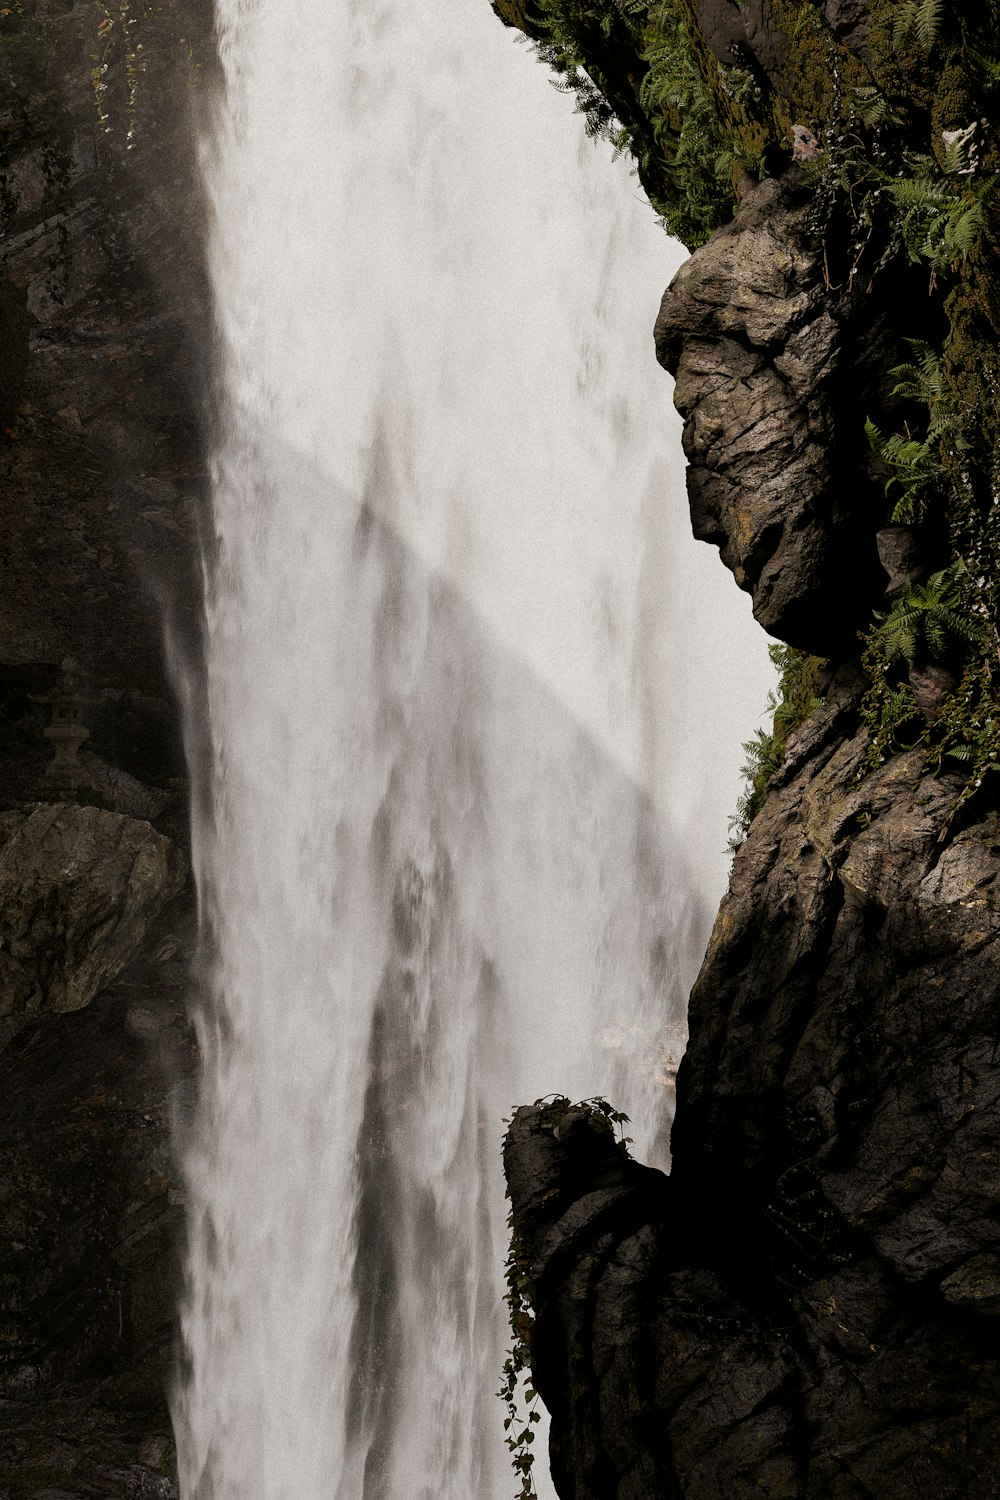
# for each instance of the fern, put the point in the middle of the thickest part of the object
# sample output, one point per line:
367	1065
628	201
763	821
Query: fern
961	156
929	620
990	67
687	130
917	23
872	107
925	381
914	470
952	236
796	698
939	222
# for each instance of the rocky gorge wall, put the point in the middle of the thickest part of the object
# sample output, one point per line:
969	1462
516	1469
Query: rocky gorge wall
805	1307
103	321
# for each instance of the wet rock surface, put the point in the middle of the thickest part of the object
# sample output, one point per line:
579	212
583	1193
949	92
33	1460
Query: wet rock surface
807	1306
73	1449
102	313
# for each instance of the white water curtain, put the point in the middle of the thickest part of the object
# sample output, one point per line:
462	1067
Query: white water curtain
475	701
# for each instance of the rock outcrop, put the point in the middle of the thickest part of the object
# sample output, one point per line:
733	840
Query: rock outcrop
101	291
806	1308
774	373
79	887
90	1210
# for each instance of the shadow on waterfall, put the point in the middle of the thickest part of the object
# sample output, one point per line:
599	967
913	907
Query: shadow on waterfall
524	921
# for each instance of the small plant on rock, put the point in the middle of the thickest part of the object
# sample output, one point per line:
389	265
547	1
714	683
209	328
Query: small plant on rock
516	1391
797	697
515	1387
929	620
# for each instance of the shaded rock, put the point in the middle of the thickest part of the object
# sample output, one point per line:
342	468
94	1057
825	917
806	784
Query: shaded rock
78	888
14	328
806	1308
900	555
108	281
805	144
721	25
766	38
103	305
975	1285
744	35
89	1196
932	684
850	20
580	1211
74	1448
761	351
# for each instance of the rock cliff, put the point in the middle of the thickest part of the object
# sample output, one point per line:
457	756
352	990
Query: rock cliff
805	1306
102	346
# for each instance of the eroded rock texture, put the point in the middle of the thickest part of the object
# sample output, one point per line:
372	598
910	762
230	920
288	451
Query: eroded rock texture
807	1307
79	887
773	371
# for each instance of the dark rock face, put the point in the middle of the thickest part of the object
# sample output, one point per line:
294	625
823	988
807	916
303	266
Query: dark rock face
721	24
763	352
850	20
89	1218
14	335
79	887
582	1216
744	35
807	1308
102	343
101	307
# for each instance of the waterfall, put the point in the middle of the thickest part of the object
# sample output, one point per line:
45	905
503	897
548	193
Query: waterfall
462	844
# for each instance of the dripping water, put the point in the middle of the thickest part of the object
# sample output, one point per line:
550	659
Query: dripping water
462	842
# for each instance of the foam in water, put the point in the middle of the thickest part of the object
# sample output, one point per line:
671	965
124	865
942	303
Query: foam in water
461	844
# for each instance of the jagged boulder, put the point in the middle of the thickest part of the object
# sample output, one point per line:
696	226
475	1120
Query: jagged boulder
589	1226
78	888
762	352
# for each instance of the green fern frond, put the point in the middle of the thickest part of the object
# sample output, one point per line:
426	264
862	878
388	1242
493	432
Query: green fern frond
922	380
920	192
960	154
796	698
928	22
917	23
929	619
872	106
990	67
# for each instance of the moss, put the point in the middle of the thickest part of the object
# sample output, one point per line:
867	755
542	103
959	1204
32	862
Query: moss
28	1481
798	695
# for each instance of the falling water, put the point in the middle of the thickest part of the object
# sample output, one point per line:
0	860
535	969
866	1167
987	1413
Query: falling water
462	845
